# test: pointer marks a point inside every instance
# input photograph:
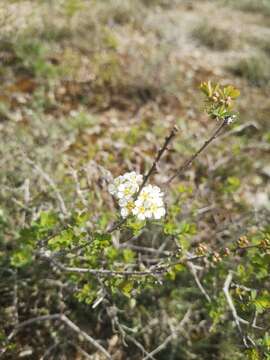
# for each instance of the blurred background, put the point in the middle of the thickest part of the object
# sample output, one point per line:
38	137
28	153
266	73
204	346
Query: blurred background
96	83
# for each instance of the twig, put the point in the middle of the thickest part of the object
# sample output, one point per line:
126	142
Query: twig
83	352
112	313
168	139
226	290
152	272
155	270
79	192
15	298
26	188
63	318
49	350
47	178
197	153
193	271
140	346
144	249
170	337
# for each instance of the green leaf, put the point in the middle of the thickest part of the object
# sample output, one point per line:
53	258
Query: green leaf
128	255
232	92
112	253
48	220
253	354
262	302
126	287
63	240
22	257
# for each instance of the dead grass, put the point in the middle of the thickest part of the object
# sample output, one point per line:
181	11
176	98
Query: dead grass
256	69
213	37
259	6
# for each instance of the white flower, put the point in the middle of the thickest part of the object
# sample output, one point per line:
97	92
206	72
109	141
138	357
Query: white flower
149	203
141	212
126	190
157	211
133	177
145	205
116	183
126	207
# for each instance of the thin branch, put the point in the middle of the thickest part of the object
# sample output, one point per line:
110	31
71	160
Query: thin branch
155	270
50	350
170	337
63	318
161	151
140	346
117	326
81	351
193	271
151	272
226	290
48	179
79	192
144	249
188	162
87	337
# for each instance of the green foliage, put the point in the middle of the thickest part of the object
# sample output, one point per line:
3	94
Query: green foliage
22	257
87	293
64	240
232	184
32	54
262	302
71	7
219	101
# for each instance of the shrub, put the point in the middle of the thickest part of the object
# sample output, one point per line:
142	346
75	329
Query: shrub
95	263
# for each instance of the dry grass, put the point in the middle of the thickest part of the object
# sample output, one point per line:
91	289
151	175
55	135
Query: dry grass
259	6
212	36
256	69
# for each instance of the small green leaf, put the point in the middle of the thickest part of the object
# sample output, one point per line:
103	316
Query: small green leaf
126	287
22	257
128	255
262	302
48	220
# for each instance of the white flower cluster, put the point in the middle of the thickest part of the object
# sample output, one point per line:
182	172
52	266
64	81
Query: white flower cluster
148	204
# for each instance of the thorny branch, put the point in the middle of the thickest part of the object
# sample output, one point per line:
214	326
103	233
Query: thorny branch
155	270
237	319
193	271
51	183
63	318
170	337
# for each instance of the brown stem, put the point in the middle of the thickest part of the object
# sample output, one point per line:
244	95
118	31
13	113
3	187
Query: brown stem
188	162
168	139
